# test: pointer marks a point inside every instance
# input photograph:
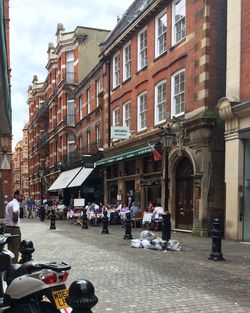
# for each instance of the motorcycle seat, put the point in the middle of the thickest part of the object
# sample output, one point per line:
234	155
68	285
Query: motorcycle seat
17	270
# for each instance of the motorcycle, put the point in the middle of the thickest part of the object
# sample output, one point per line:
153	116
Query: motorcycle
31	287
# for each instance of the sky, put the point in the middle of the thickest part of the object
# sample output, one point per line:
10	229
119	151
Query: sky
32	26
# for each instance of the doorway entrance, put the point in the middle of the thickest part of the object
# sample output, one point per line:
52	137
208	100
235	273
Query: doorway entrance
246	216
184	194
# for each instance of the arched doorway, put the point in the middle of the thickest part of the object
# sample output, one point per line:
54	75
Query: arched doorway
184	194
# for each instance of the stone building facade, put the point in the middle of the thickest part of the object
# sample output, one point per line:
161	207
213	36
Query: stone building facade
234	109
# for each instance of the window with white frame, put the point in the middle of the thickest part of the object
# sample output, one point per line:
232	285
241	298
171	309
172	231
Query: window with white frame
127	61
88	100
142	49
71	146
160	33
116	117
160	102
88	140
127	114
116	70
97	134
70	66
97	90
80	107
142	111
178	21
178	93
70	110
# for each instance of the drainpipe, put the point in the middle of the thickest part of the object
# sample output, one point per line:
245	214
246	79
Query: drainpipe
109	101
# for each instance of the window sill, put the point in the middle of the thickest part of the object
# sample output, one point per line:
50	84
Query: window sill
157	124
160	56
177	43
116	87
141	70
141	131
126	80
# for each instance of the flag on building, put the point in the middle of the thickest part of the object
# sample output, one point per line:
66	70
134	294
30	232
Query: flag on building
156	153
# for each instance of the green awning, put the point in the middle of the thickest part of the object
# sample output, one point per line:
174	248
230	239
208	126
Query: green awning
124	156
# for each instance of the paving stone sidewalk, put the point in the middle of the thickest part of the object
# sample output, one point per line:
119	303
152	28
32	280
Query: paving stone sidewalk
138	280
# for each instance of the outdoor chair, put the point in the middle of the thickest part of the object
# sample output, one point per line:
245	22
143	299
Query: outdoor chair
137	219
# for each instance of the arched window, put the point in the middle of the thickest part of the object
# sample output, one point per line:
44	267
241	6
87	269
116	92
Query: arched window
80	145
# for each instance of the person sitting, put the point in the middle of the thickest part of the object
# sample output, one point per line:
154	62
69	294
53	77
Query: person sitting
134	208
98	211
60	210
157	217
150	207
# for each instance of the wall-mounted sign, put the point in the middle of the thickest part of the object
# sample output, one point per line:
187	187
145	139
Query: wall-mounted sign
79	202
118	132
150	182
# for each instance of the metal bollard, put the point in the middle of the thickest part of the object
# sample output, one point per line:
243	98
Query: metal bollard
105	223
128	234
84	219
26	249
216	254
81	296
42	213
166	226
52	220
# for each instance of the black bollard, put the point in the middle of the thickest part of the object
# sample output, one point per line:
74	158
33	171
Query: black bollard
84	219
166	226
128	234
81	296
53	220
105	223
26	249
42	213
216	254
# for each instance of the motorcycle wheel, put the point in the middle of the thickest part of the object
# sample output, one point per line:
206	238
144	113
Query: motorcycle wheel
47	307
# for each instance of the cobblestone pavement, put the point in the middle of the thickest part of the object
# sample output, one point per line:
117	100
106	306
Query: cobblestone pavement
137	280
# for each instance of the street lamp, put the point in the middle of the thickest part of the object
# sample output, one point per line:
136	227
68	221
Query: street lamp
167	138
41	172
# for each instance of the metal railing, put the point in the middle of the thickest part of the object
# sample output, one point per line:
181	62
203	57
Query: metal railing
43	139
78	154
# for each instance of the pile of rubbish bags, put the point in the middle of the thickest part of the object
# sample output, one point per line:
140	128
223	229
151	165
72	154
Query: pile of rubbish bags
148	240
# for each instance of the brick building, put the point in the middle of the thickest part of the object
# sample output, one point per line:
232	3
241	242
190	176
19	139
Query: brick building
52	131
20	164
167	66
163	64
6	191
234	110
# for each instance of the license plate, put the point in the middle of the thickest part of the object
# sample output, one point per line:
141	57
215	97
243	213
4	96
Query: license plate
60	300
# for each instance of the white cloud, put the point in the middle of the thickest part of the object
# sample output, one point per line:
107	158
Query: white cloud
33	25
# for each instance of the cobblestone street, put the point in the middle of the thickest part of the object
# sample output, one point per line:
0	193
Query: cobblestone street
138	280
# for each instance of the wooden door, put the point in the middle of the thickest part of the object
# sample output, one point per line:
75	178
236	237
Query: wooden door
184	194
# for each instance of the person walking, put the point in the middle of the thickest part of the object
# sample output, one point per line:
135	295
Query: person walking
12	223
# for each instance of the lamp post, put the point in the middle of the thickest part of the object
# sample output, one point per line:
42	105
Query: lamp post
41	172
167	138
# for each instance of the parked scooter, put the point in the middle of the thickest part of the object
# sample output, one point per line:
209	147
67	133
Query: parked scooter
32	287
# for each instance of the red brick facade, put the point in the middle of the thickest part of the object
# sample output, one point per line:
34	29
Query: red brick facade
191	70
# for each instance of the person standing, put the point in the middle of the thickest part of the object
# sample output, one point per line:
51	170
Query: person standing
12	223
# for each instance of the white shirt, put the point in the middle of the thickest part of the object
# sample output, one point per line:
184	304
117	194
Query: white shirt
12	206
157	211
